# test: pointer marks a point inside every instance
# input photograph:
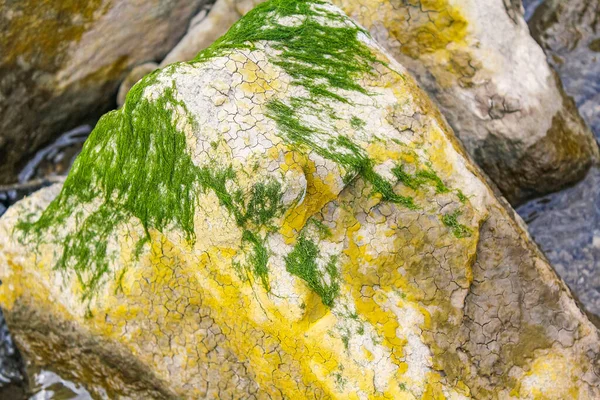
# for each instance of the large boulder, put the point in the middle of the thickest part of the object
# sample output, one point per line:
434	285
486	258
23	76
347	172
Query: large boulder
287	216
61	62
488	75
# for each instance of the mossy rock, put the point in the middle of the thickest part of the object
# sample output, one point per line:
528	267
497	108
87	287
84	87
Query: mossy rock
488	75
287	215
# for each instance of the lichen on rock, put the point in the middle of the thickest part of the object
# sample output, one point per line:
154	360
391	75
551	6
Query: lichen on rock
287	215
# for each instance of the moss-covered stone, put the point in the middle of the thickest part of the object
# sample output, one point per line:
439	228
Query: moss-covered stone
290	218
516	122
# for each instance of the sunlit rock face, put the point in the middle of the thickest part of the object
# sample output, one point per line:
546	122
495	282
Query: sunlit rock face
61	62
490	78
287	216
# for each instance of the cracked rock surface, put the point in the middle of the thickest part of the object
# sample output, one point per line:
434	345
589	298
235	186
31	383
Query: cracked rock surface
61	62
287	218
489	77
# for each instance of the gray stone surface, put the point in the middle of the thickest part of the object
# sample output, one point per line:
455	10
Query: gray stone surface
566	225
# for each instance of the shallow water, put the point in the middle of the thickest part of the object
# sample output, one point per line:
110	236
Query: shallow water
46	385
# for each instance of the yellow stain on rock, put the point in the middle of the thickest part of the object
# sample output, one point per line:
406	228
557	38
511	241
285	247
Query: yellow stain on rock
433	31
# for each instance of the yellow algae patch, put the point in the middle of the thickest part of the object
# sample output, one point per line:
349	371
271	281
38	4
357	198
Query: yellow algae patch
552	376
259	80
320	190
171	293
433	388
433	31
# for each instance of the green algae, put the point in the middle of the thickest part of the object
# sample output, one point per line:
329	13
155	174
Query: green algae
420	178
317	56
302	262
258	259
136	162
357	123
322	229
458	230
313	53
264	204
340	149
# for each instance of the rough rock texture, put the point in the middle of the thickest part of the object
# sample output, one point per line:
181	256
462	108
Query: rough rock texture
488	75
566	225
288	216
61	61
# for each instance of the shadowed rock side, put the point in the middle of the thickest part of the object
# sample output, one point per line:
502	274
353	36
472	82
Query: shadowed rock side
61	62
487	74
287	216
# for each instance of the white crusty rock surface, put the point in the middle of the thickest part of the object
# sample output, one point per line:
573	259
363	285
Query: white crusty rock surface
287	216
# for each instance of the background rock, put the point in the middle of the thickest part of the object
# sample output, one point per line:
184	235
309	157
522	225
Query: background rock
493	85
207	27
565	224
569	33
61	62
258	245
